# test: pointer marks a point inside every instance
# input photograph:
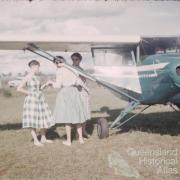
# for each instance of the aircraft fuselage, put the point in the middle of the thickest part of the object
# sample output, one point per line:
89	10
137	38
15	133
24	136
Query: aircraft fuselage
159	86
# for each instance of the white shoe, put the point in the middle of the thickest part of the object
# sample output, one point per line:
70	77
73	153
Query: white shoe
47	141
38	144
81	141
66	143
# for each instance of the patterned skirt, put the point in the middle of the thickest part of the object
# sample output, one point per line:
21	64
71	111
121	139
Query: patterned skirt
69	107
36	113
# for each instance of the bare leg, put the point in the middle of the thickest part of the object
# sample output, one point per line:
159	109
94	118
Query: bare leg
79	130
38	132
36	141
68	133
43	137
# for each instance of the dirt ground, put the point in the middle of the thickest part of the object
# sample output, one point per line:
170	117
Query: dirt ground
148	147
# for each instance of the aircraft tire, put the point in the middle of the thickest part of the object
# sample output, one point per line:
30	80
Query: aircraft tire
102	128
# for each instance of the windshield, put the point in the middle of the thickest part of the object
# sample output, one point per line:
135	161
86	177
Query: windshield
160	45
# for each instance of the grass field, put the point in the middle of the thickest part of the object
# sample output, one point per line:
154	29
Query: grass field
148	147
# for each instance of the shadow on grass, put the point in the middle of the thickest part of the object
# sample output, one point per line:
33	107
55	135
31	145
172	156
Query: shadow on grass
52	133
9	126
159	123
74	135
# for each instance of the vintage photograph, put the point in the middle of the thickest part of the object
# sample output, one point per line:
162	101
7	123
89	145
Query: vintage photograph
89	90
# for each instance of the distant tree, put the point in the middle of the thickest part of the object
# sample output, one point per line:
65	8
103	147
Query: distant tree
9	74
25	73
19	74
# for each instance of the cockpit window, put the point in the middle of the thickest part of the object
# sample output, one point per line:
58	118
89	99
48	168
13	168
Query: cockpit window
113	57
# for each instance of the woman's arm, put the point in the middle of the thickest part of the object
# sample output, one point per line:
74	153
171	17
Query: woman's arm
44	85
58	82
48	83
20	87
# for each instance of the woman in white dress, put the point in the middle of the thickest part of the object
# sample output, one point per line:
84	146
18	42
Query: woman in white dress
69	107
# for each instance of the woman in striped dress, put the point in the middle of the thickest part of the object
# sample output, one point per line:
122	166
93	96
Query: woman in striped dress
36	114
69	108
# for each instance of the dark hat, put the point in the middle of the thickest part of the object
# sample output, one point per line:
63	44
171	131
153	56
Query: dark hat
76	54
59	59
33	63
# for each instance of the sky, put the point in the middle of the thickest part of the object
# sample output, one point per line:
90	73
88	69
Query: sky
87	18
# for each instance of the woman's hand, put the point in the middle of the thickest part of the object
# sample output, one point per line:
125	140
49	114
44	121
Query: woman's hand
43	86
20	87
48	83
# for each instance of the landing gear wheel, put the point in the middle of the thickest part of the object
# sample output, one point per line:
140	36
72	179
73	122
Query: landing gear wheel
102	128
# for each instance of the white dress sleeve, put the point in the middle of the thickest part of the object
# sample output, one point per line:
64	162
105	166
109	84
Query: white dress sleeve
58	82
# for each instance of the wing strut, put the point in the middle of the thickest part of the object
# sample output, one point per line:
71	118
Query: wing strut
131	106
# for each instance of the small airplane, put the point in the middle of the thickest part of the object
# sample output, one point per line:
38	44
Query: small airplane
141	70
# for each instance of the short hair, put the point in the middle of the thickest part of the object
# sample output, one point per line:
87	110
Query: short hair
77	55
58	59
33	63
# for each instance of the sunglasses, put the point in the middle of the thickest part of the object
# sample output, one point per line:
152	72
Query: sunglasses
75	59
58	62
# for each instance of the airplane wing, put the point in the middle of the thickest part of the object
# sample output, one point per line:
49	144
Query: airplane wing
66	43
70	44
37	50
